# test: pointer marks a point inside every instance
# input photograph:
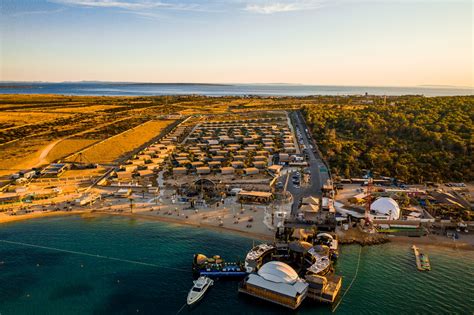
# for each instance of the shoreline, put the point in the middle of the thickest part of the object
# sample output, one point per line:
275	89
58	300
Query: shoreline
248	234
429	241
85	213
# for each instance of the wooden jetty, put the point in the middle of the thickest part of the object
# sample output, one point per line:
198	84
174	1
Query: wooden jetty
422	260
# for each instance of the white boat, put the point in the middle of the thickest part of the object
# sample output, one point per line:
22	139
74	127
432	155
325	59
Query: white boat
200	287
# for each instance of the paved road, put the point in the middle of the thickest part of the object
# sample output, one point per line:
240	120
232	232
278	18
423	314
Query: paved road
319	174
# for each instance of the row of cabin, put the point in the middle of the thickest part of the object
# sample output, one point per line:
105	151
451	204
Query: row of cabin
204	170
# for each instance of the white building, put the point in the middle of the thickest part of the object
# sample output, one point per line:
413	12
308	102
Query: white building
276	282
384	209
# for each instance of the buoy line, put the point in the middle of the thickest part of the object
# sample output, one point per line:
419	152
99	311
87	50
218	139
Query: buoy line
93	255
350	285
182	307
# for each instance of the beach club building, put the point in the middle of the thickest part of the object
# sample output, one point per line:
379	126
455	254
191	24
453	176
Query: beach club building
254	197
276	282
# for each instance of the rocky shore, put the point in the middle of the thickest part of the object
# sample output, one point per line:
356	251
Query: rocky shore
357	236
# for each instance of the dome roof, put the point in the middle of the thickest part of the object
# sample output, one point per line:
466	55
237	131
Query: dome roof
279	272
386	206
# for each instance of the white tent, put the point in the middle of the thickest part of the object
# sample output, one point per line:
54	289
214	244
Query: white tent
386	207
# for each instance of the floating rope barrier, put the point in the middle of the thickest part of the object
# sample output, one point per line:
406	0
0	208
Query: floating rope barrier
182	307
93	255
350	285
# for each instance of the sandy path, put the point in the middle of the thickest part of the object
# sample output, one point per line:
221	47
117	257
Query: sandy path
44	153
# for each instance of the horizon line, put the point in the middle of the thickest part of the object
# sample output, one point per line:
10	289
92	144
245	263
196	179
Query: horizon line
433	86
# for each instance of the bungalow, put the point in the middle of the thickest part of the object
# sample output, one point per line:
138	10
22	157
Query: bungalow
184	162
197	164
203	170
259	164
275	169
130	168
218	158
157	161
124	175
227	170
214	164
138	162
237	164
54	170
284	157
144	173
251	171
144	157
310	201
179	170
260	158
239	157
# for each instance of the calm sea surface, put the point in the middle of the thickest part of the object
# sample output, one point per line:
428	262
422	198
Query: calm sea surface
41	280
127	89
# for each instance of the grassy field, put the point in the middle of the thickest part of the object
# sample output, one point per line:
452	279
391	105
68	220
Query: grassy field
21	155
67	147
14	119
112	149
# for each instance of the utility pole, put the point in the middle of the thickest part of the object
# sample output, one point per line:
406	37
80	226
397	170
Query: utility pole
131	204
368	200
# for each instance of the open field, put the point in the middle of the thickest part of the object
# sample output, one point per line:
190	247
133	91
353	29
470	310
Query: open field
67	147
115	147
344	127
13	119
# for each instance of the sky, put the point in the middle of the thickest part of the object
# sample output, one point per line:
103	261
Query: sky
322	42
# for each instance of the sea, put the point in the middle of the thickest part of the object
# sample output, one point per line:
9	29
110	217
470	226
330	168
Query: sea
122	265
147	89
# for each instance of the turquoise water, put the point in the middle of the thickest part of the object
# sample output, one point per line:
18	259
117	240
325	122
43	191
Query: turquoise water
141	89
154	275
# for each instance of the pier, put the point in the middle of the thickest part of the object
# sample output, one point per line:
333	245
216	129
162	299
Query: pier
422	260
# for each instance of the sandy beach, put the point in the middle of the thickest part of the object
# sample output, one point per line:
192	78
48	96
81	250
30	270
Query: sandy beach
260	233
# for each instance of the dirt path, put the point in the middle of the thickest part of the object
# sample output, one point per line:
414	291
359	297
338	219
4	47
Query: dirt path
44	153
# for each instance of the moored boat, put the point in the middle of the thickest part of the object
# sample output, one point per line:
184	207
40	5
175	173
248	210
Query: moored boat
199	289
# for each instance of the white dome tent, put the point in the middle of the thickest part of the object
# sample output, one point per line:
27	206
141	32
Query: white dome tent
279	272
385	209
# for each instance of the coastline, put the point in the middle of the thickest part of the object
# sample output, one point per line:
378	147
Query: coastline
433	241
427	241
248	234
84	213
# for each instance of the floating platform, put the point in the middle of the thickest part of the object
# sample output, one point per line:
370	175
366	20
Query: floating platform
216	267
422	260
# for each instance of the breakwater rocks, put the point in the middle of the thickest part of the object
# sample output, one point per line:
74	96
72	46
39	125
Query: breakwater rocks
357	236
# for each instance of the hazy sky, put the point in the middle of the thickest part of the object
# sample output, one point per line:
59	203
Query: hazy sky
341	42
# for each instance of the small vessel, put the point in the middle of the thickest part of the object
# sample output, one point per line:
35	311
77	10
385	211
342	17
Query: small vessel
197	291
422	260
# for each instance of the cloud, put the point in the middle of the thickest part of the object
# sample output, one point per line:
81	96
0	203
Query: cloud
38	12
127	5
271	7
